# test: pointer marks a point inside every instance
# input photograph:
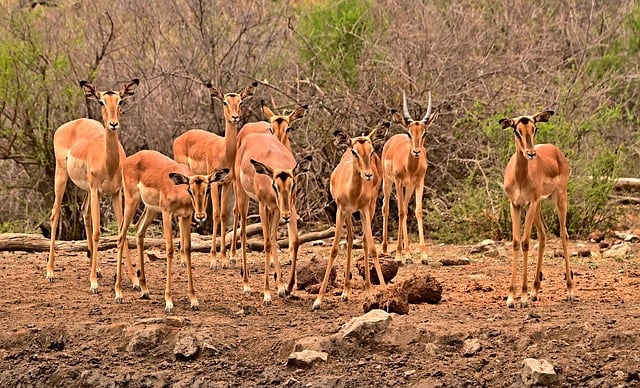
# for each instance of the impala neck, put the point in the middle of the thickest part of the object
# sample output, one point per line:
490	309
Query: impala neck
112	151
522	167
355	186
230	136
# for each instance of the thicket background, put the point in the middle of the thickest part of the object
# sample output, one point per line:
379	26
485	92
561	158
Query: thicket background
349	60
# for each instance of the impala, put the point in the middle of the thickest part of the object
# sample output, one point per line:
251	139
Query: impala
535	172
169	188
279	126
91	155
266	172
404	163
354	185
205	152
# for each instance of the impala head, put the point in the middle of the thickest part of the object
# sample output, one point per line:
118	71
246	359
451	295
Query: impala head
198	187
283	183
232	102
362	149
110	101
416	130
281	124
524	130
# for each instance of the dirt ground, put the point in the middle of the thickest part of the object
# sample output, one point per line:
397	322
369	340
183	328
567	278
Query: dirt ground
59	334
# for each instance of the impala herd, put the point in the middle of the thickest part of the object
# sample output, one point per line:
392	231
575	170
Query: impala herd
258	163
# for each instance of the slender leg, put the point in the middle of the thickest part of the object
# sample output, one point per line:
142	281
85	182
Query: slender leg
224	206
419	194
273	226
265	220
95	221
402	220
408	191
294	245
561	204
145	220
515	231
387	185
116	200
129	212
243	202
215	205
88	228
532	213
60	185
346	290
334	253
168	238
371	247
185	244
542	238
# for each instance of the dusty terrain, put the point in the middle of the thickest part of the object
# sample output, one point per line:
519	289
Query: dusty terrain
60	335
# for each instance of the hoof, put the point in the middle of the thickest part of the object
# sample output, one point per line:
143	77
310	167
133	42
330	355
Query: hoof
137	288
93	290
168	307
533	297
524	303
510	303
232	262
267	300
50	279
316	305
572	298
408	260
145	295
195	307
344	296
118	299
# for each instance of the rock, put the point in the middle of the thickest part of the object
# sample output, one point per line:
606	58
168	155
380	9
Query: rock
422	289
392	299
364	327
142	339
537	372
431	349
317	243
470	347
306	358
93	378
319	344
186	348
604	245
584	252
483	246
311	273
596	236
357	244
388	265
460	261
619	251
210	350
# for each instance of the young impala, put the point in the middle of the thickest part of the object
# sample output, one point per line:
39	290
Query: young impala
535	172
205	152
266	172
404	163
354	185
169	188
279	126
91	155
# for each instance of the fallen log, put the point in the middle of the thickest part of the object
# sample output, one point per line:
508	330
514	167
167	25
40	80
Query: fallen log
37	243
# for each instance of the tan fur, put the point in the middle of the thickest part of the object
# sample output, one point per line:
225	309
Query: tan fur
205	152
90	154
535	172
355	183
147	178
263	162
404	164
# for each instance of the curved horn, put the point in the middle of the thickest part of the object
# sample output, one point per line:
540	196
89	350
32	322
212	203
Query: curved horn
405	110
426	116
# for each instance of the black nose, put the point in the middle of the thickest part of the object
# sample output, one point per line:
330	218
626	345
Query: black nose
531	154
416	153
286	218
368	175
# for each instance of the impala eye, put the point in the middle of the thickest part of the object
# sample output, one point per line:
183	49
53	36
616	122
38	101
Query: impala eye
225	103
275	187
517	133
120	102
355	153
102	103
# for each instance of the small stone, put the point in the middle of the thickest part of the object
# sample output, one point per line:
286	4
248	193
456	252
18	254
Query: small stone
306	358
318	243
460	261
584	252
470	347
186	348
537	372
596	236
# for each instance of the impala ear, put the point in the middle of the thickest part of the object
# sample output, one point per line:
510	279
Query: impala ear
268	113
261	168
303	164
247	92
342	138
219	175
543	116
432	118
130	88
215	91
506	123
89	90
298	113
397	117
178	179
